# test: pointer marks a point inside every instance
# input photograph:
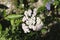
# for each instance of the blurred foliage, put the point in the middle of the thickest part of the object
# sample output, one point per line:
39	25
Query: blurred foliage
12	22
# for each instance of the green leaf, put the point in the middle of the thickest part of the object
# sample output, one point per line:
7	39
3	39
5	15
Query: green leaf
43	31
4	12
0	27
45	1
12	22
13	16
17	22
40	9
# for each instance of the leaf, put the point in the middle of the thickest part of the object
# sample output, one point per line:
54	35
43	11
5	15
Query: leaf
4	12
17	22
12	22
0	27
56	3
43	31
13	16
40	9
45	1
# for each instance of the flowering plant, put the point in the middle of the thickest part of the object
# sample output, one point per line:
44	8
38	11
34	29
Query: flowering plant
29	19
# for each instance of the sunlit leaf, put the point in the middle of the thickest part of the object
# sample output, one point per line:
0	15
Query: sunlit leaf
13	16
12	22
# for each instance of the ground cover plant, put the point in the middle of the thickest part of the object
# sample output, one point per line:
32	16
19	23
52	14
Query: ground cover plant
29	19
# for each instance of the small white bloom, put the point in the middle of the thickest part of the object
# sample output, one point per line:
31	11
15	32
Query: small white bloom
34	12
38	20
25	13
25	28
35	9
27	17
39	26
27	22
33	20
30	26
30	20
34	28
24	19
29	12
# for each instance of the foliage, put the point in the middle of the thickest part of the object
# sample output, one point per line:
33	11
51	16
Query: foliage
13	29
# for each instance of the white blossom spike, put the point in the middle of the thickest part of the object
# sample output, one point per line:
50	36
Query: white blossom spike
31	22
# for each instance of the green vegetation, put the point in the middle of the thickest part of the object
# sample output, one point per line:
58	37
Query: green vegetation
10	24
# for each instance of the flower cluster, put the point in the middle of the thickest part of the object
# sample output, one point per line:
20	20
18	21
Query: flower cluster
31	21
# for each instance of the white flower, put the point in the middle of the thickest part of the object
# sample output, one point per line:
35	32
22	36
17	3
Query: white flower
27	22
31	26
38	20
33	20
34	12
25	28
35	9
39	26
31	23
24	19
34	28
29	12
25	13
